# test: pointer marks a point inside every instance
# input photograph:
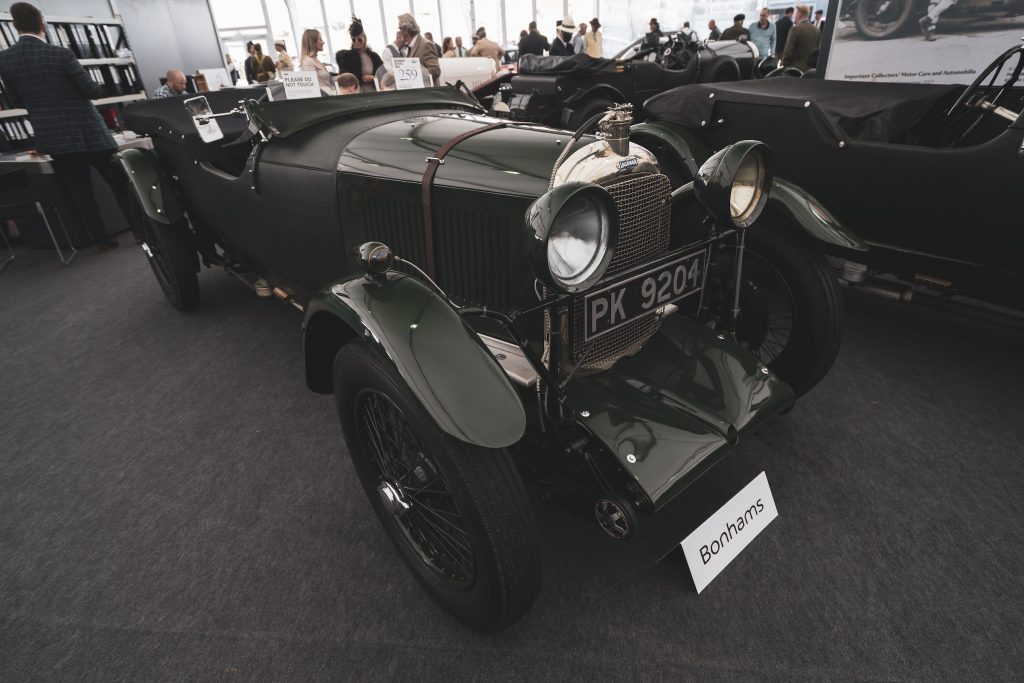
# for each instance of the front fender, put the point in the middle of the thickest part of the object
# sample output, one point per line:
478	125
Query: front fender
441	360
787	200
687	147
151	186
805	212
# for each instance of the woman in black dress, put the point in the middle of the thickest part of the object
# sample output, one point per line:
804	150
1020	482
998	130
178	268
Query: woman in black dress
360	61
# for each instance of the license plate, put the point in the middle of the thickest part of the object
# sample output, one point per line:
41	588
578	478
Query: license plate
634	297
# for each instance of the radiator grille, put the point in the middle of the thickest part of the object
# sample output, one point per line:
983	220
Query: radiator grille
644	218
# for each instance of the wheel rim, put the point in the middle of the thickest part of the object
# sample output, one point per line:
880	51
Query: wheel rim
883	16
767	309
413	491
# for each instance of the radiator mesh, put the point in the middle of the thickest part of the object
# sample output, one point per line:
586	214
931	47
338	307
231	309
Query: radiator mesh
643	202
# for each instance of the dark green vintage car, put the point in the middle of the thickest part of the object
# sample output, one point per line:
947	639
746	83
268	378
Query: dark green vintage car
493	303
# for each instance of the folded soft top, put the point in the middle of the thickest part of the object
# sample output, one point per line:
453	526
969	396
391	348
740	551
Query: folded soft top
848	109
576	64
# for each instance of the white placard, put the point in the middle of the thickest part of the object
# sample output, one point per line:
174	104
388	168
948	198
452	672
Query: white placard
717	542
199	109
300	85
408	73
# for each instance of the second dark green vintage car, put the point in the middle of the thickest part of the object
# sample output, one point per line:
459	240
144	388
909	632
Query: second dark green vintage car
495	303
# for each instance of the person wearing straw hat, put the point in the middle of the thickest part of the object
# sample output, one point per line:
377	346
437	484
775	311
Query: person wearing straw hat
284	60
562	44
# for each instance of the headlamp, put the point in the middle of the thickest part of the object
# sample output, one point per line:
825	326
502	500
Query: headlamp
571	234
733	185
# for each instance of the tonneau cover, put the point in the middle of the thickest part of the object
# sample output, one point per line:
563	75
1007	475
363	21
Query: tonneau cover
579	65
168	118
877	112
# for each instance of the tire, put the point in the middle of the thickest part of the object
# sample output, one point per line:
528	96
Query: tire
791	307
880	19
719	70
173	260
590	108
489	578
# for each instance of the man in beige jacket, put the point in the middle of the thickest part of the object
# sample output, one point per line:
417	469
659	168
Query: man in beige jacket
486	48
419	46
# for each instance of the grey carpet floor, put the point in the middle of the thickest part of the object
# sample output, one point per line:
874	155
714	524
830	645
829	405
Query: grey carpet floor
176	505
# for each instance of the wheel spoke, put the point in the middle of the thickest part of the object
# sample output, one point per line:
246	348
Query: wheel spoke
436	514
445	542
373	432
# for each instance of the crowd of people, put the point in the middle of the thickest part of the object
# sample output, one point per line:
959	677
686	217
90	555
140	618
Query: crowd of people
794	38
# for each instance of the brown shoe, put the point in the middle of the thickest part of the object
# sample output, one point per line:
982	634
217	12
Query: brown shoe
108	247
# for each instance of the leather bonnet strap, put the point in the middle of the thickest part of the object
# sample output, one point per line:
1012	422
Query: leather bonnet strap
433	163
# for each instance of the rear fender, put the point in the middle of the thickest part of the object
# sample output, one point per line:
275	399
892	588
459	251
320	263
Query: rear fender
440	359
599	90
151	186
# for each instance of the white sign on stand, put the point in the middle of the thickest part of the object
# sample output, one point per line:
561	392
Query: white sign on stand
408	73
300	84
717	542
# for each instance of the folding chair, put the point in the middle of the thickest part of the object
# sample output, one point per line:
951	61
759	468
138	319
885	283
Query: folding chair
16	202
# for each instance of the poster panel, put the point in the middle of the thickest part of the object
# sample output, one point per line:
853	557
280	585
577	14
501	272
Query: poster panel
917	41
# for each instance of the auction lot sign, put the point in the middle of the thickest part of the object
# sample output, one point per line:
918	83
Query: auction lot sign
869	40
717	542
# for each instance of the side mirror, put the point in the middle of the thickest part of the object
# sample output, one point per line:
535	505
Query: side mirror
203	119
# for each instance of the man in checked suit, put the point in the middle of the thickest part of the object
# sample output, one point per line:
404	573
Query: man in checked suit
48	81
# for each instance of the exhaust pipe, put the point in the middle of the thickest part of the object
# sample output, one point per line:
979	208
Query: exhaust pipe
963	306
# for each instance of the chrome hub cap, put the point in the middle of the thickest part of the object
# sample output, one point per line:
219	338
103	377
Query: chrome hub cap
394	502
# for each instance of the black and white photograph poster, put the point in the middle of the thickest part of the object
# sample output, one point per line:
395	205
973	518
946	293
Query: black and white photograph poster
917	41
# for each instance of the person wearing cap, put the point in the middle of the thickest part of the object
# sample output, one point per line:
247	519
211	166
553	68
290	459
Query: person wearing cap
594	39
561	45
419	47
284	60
485	47
737	30
360	61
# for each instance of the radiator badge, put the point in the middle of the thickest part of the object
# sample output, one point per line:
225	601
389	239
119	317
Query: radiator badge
628	162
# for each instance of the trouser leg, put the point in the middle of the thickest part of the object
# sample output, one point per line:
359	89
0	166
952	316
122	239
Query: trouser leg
937	7
73	171
104	164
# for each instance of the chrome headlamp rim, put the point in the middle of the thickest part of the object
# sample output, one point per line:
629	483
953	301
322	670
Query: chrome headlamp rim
571	234
734	184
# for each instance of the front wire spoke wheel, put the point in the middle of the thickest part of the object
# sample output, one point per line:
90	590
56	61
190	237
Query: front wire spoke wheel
768	311
432	523
791	308
457	513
